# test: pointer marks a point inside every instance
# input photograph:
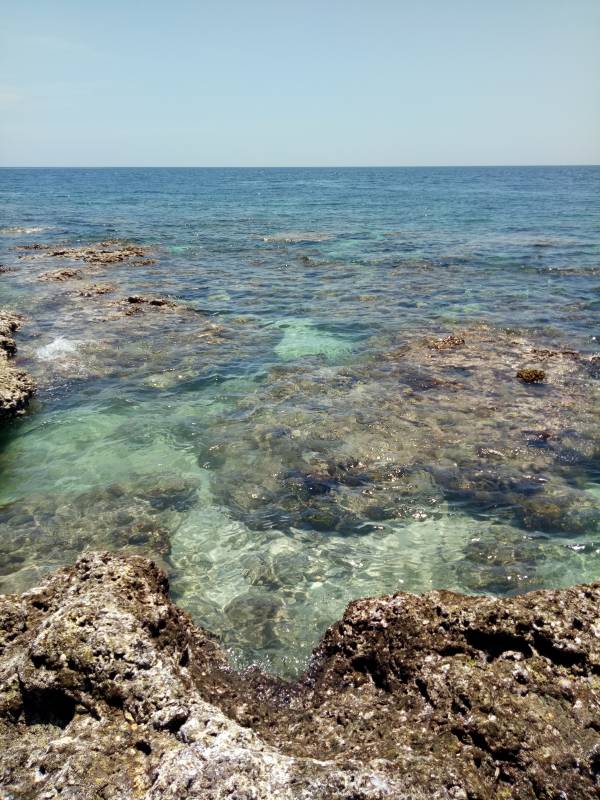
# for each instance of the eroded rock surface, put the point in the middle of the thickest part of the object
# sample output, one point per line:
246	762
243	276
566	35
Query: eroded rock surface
108	690
112	251
62	275
16	387
96	289
136	304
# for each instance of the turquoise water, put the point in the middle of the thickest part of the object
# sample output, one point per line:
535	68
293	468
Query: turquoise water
291	436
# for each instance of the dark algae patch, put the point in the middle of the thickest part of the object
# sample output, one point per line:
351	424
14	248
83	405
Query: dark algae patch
531	375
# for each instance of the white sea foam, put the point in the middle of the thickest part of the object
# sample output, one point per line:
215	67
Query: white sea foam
16	231
57	349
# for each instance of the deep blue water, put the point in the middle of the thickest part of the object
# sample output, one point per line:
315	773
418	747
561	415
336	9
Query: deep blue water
292	440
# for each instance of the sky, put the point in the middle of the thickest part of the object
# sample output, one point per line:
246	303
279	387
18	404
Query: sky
299	82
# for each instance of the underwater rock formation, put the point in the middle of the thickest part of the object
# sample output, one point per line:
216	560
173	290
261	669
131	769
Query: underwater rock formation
107	690
16	387
60	275
397	434
95	289
52	529
447	343
81	300
135	304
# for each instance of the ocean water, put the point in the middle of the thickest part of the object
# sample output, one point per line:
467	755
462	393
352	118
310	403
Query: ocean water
299	430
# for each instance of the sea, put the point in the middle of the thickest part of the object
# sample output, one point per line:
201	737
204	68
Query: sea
327	407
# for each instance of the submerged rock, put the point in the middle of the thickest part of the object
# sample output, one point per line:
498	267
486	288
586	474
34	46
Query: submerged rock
447	343
531	375
135	304
107	690
66	274
409	428
54	528
95	289
16	387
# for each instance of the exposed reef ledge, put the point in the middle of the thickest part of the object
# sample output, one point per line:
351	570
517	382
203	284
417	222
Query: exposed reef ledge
108	690
16	387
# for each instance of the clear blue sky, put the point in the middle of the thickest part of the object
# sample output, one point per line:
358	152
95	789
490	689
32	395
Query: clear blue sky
293	82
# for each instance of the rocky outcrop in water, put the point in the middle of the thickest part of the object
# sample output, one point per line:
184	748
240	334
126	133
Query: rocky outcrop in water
137	304
60	275
16	387
96	289
108	690
112	251
94	296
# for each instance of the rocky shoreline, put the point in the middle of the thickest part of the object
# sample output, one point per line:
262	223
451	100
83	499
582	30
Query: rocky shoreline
108	690
16	387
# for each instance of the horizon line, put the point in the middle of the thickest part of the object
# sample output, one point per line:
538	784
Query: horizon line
289	166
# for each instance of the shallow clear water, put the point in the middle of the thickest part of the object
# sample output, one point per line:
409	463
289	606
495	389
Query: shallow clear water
288	439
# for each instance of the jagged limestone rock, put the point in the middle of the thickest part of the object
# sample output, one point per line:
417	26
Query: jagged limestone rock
108	690
16	387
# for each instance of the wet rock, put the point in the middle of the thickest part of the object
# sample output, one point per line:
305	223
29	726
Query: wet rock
538	438
135	303
199	326
529	375
593	366
108	690
66	274
136	299
565	512
108	252
96	289
506	560
448	343
489	454
16	387
544	353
